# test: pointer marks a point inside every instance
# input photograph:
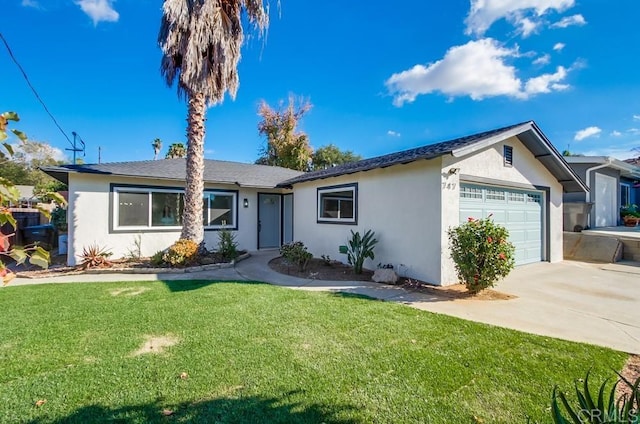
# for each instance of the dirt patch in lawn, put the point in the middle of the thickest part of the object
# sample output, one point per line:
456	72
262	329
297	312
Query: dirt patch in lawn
128	291
319	269
631	372
156	344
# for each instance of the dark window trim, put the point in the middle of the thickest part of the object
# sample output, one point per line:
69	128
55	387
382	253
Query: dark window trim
113	230
353	186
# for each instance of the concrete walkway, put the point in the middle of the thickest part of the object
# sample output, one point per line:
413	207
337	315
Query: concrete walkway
590	303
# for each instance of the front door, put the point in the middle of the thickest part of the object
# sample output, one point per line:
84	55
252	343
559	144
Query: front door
268	220
606	209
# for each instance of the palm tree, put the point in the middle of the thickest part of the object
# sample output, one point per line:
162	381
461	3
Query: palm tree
200	42
176	150
157	146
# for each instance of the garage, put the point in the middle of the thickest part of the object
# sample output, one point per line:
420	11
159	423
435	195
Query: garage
520	211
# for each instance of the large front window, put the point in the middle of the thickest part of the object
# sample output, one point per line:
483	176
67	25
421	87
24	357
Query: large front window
137	208
338	204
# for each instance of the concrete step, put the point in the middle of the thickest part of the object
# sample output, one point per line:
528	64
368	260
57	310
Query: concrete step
592	248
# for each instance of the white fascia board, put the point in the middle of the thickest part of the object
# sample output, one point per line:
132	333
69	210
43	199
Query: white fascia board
464	151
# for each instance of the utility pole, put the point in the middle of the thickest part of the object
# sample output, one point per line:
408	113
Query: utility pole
75	148
99	154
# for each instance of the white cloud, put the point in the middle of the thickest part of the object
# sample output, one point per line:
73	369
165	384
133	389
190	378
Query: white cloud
547	83
521	13
491	75
615	133
542	60
558	46
31	3
527	26
587	132
569	21
636	117
393	133
99	10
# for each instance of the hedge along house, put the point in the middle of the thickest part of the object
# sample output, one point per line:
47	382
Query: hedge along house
113	204
411	198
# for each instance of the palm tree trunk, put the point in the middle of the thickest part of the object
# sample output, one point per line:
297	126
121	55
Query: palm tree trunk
192	227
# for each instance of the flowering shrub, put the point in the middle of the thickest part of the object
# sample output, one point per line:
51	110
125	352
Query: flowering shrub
181	253
481	252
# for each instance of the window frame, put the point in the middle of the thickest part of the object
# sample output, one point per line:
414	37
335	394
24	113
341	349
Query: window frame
507	153
115	189
626	187
320	191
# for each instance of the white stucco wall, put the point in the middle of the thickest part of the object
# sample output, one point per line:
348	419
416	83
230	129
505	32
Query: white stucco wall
411	207
89	217
400	203
526	169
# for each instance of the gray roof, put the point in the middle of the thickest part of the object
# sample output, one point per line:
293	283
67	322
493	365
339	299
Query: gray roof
216	171
528	133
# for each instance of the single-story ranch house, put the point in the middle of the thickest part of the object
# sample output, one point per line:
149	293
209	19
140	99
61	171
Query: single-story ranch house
410	199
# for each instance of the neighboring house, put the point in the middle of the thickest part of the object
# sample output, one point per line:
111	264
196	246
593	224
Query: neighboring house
112	204
630	186
610	182
410	199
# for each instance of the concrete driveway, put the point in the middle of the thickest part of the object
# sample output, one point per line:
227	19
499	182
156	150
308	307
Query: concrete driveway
584	302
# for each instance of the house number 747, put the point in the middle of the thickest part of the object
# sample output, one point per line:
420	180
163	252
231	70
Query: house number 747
448	186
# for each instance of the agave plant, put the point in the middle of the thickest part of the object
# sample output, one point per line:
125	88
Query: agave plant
605	409
94	256
360	248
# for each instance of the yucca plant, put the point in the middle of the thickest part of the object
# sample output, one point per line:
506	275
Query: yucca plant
605	409
359	248
94	256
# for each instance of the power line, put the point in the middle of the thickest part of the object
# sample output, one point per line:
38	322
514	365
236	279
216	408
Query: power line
24	74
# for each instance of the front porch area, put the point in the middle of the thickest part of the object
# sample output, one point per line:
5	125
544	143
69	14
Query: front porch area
628	236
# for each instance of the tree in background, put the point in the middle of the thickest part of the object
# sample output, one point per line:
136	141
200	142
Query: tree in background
22	166
9	194
290	148
157	146
330	155
200	42
176	150
285	145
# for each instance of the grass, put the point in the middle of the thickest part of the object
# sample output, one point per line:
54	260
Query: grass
258	353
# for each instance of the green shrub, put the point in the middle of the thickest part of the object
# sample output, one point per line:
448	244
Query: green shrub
296	253
181	253
360	248
481	252
59	219
227	246
158	258
604	409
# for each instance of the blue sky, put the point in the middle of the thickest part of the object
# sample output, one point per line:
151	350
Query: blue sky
381	77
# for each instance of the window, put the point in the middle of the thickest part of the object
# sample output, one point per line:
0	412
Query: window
467	192
139	208
508	156
625	195
338	204
495	194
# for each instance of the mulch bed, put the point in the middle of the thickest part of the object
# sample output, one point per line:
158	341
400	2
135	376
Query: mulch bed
318	269
59	268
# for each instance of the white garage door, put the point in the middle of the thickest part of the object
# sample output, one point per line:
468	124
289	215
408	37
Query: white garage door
520	211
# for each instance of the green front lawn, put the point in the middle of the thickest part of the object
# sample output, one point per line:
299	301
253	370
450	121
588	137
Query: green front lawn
258	353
